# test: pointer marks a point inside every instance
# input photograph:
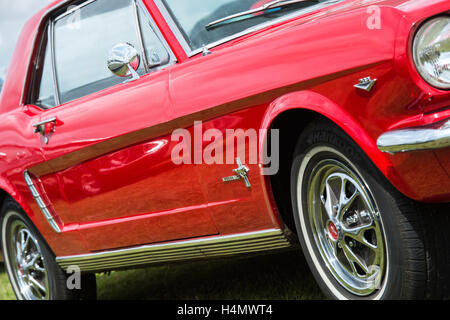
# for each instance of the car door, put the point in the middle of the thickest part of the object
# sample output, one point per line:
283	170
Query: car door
108	172
222	100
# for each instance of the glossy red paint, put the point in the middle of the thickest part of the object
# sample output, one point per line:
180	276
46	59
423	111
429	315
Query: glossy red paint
107	170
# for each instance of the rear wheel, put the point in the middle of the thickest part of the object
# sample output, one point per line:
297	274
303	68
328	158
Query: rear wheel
361	237
31	266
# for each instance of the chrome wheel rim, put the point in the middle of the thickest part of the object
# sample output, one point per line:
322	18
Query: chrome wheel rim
346	227
27	263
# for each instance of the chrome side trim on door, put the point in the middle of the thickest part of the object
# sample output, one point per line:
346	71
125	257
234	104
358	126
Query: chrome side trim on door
178	251
44	209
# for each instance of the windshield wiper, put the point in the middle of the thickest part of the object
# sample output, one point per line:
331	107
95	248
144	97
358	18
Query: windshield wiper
271	5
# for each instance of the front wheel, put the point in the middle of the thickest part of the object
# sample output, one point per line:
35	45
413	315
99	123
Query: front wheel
361	237
31	266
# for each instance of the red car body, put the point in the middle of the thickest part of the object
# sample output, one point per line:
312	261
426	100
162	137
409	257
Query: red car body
107	176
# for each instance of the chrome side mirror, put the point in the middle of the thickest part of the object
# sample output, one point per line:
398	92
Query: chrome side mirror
124	61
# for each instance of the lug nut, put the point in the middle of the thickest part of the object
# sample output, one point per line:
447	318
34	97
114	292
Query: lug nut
352	219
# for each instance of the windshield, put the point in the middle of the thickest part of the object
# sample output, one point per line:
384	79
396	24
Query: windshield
192	16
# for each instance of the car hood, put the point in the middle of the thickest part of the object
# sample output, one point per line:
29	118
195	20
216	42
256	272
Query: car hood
414	8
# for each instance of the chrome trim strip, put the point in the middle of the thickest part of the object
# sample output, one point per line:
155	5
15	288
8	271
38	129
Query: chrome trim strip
218	246
37	197
189	52
173	26
30	64
51	42
436	136
73	9
172	59
139	35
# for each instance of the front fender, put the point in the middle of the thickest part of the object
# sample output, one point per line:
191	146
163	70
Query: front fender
312	101
319	104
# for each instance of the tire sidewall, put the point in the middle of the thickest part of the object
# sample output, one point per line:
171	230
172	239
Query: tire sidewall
8	217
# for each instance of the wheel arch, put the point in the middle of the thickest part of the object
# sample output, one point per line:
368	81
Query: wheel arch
291	114
7	190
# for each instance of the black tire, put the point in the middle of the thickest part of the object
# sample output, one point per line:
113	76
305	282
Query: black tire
56	285
415	240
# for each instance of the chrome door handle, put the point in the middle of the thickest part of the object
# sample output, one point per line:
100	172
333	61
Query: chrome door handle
40	126
43	129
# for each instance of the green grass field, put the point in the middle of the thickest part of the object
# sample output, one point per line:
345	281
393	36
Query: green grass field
280	276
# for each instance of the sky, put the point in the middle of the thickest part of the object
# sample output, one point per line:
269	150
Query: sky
13	15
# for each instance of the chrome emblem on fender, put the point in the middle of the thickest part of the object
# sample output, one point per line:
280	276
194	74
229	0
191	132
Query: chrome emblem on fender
241	173
366	84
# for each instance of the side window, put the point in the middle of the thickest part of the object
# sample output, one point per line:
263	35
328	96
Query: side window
156	53
82	38
82	44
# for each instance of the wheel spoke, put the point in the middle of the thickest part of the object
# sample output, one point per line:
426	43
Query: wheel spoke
19	252
353	258
328	202
39	288
333	244
346	203
358	235
25	240
354	271
377	249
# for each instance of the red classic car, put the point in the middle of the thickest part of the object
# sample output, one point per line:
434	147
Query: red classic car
116	117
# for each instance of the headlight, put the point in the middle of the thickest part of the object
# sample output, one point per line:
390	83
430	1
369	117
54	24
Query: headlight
432	52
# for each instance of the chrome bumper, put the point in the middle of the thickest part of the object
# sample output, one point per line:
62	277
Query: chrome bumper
436	136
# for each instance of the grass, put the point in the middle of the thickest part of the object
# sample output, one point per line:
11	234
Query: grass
6	292
280	276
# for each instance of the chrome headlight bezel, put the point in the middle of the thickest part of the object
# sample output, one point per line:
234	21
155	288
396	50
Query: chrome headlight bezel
423	42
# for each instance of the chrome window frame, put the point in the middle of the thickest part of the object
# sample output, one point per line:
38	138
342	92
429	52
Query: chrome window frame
140	37
41	55
190	53
26	97
51	43
75	8
174	27
172	58
137	4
